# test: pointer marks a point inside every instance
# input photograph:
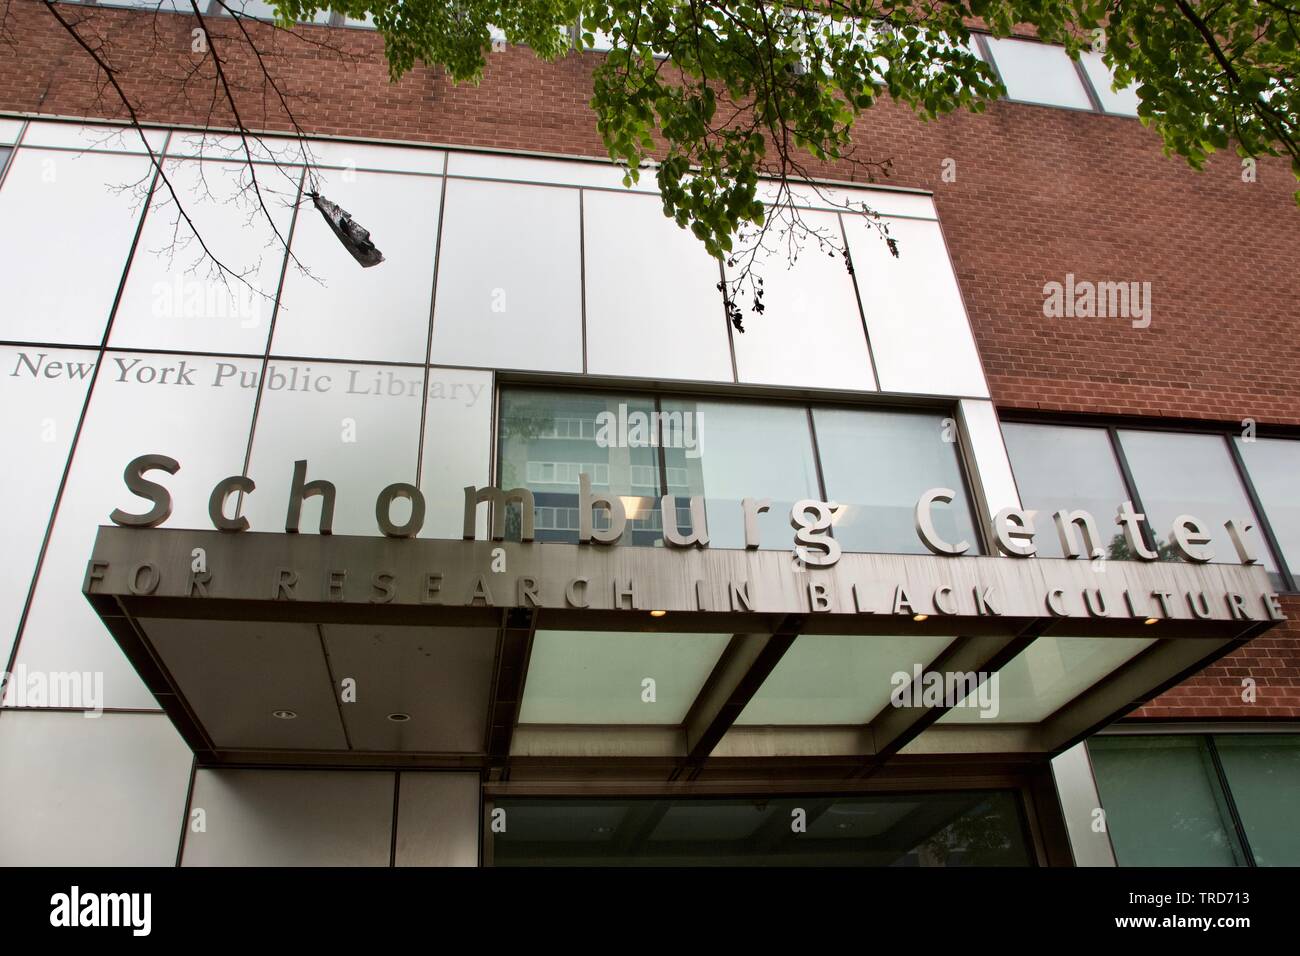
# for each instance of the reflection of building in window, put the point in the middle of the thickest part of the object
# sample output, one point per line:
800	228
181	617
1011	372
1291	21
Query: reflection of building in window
566	473
579	428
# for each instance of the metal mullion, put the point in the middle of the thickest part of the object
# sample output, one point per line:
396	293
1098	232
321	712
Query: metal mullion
977	497
1126	473
986	51
185	814
582	271
662	455
1257	505
857	295
494	434
817	458
1228	800
397	797
1088	89
13	149
731	342
270	335
428	343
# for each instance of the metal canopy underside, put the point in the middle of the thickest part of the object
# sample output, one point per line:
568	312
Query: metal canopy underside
429	631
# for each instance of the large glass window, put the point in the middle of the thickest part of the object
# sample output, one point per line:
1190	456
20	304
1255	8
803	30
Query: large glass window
1038	73
877	464
1071	467
1263	774
1164	803
1124	102
1181	474
731	451
1061	468
1274	466
548	438
976	828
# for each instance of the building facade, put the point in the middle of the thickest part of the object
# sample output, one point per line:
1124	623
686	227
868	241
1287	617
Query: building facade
985	554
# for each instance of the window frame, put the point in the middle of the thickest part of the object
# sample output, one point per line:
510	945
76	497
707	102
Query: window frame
1207	734
1114	424
971	490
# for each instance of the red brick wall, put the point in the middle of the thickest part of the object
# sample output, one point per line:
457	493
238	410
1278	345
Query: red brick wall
1271	660
1039	193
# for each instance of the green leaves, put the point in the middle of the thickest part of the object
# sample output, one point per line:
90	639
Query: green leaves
724	93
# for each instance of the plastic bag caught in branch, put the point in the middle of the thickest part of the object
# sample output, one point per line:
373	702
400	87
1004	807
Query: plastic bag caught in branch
354	238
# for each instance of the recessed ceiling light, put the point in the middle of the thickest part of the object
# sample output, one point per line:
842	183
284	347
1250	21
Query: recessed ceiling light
284	714
658	613
920	617
1150	620
602	830
399	718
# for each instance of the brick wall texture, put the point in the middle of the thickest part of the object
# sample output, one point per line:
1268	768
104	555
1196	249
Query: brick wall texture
1039	193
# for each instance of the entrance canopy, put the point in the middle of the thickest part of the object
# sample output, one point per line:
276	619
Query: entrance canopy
375	651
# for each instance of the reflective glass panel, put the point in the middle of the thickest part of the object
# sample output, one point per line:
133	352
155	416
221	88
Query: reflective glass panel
42	392
1182	474
106	791
342	310
877	464
1124	102
811	331
653	307
176	296
1263	772
1038	73
189	408
81	204
457	448
1163	802
357	426
293	818
548	438
1063	468
94	136
509	284
974	828
731	451
920	337
1274	468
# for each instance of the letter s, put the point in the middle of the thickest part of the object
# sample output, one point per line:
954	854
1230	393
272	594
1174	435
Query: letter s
149	490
